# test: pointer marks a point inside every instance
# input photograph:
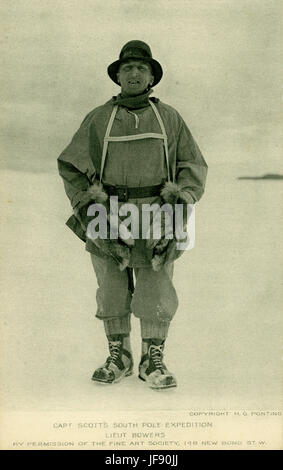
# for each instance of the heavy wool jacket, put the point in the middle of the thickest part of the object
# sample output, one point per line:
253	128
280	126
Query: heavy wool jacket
135	163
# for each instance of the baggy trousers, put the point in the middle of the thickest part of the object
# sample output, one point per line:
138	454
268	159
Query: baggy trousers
151	297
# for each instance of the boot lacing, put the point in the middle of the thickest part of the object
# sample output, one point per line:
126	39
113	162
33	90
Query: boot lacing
156	353
114	349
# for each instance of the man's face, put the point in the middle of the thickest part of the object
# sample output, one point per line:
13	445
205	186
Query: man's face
134	77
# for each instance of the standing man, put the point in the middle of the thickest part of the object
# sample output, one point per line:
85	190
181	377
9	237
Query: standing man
137	150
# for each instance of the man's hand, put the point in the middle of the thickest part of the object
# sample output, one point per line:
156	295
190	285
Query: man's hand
173	231
118	248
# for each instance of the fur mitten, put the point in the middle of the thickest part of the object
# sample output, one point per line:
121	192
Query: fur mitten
165	249
115	249
97	193
173	194
119	249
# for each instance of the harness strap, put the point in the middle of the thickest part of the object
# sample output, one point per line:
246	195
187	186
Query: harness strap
148	135
164	136
123	138
105	143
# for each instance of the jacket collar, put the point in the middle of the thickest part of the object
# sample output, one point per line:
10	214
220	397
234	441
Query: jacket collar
134	102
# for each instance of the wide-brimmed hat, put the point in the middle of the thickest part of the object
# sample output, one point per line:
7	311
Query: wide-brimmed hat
138	50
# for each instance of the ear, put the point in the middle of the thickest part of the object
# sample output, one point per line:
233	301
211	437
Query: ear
118	79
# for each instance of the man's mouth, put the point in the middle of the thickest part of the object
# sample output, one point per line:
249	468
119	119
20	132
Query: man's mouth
134	82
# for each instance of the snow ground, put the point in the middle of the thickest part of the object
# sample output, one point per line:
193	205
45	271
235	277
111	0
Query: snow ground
224	343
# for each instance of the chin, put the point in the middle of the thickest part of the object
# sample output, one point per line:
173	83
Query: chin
136	93
133	92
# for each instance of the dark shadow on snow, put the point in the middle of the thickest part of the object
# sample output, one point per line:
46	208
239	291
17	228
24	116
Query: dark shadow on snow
268	176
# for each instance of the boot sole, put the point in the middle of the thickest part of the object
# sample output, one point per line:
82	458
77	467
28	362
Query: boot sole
115	381
162	387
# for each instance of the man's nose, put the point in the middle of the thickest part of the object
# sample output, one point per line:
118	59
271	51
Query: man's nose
135	72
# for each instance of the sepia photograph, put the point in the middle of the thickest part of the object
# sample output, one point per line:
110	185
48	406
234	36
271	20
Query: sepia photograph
141	226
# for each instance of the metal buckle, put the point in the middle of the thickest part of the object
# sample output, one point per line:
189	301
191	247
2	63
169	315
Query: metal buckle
122	193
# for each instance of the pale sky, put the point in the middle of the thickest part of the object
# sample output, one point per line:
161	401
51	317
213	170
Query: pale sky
221	62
